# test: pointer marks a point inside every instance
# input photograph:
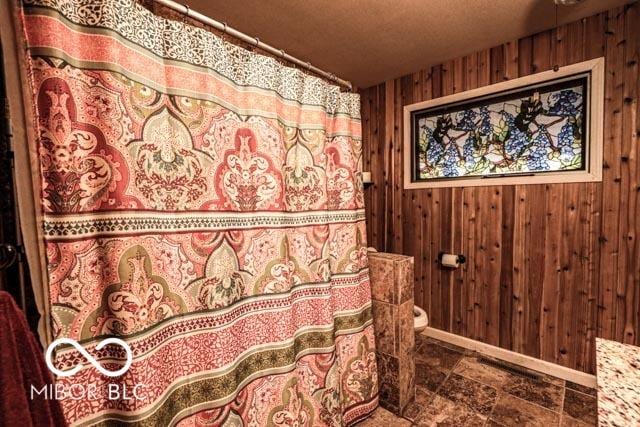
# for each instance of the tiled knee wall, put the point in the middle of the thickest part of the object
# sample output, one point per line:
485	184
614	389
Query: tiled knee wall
392	306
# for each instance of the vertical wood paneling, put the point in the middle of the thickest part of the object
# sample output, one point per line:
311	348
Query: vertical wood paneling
511	52
374	193
467	208
549	266
629	270
593	47
390	227
521	230
614	57
457	278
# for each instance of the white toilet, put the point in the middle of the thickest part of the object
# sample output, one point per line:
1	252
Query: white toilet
420	319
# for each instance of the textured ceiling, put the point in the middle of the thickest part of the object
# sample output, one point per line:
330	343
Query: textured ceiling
369	41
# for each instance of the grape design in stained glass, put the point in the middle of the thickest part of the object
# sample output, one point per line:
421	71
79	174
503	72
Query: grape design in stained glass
536	131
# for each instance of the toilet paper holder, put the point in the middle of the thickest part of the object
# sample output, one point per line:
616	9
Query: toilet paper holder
460	259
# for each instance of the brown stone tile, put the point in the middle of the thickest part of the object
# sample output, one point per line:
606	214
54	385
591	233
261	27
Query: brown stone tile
471	367
406	384
388	382
404	353
384	256
415	408
581	407
582	389
550	379
384	326
423	339
382	417
453	347
391	277
567	421
381	277
444	412
420	340
404	280
479	397
541	376
540	392
429	376
436	355
512	411
405	344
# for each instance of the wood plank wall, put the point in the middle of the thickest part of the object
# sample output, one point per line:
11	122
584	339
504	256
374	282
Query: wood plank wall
550	267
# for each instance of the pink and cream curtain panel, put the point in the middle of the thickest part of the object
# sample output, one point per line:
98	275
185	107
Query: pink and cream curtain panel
204	203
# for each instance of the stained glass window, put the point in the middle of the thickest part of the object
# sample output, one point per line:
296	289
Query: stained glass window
528	130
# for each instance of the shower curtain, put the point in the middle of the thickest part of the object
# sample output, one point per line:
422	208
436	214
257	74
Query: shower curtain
204	203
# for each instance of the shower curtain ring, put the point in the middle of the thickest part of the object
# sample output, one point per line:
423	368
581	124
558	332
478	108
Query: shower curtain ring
257	41
224	31
282	54
186	13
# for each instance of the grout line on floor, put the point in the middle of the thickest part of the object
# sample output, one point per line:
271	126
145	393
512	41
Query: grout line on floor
469	408
559	412
584	394
490	417
449	374
498	394
539	406
564	398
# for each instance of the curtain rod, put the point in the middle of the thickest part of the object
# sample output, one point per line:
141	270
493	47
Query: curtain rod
255	41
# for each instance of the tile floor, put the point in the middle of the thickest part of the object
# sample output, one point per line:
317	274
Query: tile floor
455	388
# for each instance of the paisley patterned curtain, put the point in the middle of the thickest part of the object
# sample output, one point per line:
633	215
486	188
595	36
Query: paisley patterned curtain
204	203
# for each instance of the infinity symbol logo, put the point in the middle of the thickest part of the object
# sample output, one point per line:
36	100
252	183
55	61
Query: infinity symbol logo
87	356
